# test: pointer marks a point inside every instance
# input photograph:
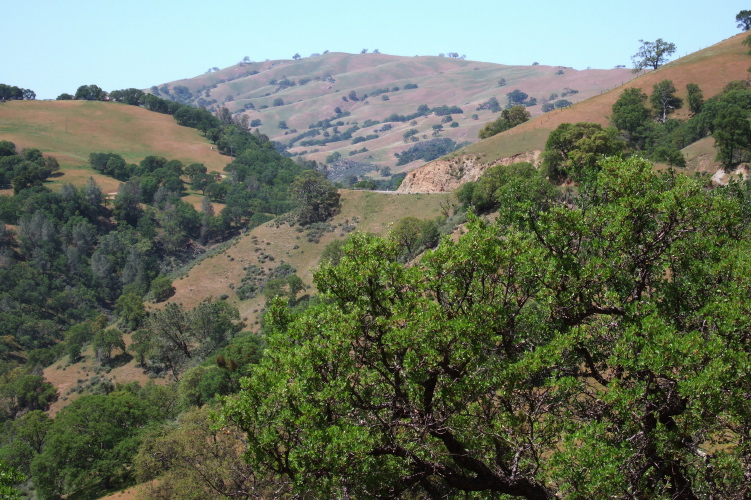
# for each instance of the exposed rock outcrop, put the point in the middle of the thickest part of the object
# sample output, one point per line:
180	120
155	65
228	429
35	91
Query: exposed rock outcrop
443	176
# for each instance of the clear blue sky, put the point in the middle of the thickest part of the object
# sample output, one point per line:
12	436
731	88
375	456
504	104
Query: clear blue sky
52	46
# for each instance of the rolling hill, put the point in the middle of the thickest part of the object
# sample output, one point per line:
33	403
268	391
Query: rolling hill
711	68
71	130
311	89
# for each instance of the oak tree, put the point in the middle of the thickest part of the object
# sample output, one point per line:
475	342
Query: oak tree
652	54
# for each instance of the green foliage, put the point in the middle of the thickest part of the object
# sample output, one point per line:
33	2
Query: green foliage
8	478
11	92
694	99
592	349
510	118
180	338
652	54
732	136
316	198
90	442
491	104
162	289
106	340
22	391
90	93
129	307
744	19
429	150
573	151
195	460
413	236
518	98
664	100
505	188
630	113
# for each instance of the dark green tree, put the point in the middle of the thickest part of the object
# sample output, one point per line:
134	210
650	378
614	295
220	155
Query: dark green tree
90	444
664	100
732	135
316	198
694	99
630	113
162	289
744	20
652	54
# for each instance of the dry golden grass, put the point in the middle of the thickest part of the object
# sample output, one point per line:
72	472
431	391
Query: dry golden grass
711	68
440	80
71	130
374	211
65	377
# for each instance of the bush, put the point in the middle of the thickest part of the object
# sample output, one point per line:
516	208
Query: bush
162	289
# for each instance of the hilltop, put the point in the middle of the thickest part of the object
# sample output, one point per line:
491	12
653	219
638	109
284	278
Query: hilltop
300	93
711	68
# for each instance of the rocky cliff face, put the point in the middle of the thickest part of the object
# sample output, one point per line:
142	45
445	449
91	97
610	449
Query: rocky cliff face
442	176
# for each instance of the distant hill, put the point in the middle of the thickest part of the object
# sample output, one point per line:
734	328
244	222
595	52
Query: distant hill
311	89
711	68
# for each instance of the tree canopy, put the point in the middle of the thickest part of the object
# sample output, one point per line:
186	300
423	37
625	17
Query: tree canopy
744	20
652	54
593	349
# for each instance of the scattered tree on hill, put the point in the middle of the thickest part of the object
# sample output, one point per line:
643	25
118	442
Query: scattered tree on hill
509	118
181	337
732	135
90	93
695	98
574	151
131	96
317	199
516	97
491	104
196	459
105	341
629	112
652	54
11	92
664	100
744	20
297	56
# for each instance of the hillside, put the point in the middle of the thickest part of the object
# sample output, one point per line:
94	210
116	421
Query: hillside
361	210
266	246
71	130
711	68
312	88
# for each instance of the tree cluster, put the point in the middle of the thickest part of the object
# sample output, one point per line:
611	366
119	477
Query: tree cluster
510	118
11	92
428	150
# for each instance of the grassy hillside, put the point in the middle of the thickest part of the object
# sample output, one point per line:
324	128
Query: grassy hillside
440	81
71	130
366	211
711	68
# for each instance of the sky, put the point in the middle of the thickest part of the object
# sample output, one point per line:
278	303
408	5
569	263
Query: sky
53	47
